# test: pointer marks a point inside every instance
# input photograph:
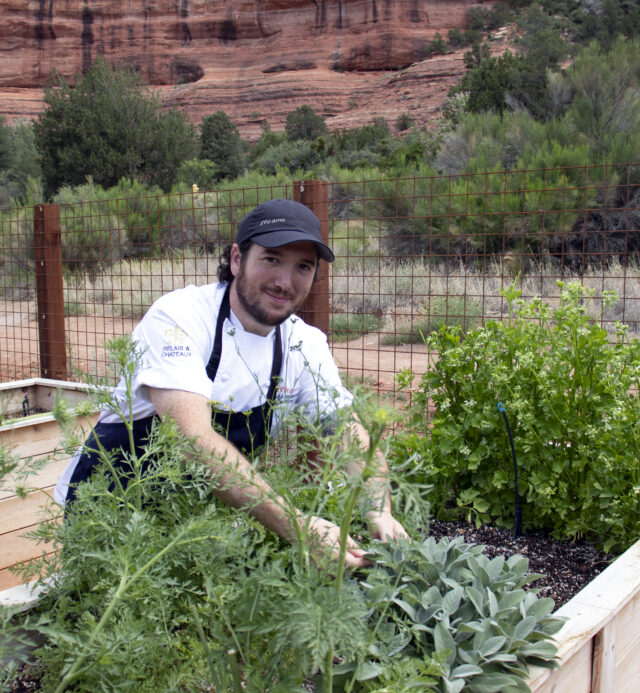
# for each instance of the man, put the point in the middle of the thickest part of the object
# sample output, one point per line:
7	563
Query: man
238	345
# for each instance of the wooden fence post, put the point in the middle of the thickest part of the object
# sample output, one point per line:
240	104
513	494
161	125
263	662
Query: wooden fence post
315	195
47	248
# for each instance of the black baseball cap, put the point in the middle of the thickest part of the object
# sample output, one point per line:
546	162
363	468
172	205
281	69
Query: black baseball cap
280	222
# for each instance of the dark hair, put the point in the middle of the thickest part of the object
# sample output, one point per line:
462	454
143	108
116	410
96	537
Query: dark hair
224	262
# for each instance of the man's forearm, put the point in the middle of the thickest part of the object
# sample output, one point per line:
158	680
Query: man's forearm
236	483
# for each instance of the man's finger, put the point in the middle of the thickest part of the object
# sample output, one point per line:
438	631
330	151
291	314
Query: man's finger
355	558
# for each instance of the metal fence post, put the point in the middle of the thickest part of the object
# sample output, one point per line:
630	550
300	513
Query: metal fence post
47	247
315	195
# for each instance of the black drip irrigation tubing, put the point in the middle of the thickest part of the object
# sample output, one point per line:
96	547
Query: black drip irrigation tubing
517	518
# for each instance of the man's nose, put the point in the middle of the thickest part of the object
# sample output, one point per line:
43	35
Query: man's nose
284	277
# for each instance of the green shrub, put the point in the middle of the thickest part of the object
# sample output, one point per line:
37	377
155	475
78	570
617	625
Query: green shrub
436	46
291	156
403	122
571	396
346	326
438	312
304	124
201	172
220	143
107	127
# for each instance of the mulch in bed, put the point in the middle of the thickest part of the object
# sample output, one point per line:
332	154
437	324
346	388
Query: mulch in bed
567	567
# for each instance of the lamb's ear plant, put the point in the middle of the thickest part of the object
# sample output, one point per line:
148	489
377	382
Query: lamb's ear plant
448	598
159	587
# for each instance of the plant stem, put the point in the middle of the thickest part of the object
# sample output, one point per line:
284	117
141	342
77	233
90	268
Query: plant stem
124	585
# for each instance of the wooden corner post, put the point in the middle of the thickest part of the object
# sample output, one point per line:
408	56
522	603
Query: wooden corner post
315	195
47	248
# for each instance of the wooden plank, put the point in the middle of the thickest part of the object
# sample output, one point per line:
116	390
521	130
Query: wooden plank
46	392
31	437
47	252
21	513
628	647
603	675
16	547
587	613
28	438
9	579
628	629
573	677
45	478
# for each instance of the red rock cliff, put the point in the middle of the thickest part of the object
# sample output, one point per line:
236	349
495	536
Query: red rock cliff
349	59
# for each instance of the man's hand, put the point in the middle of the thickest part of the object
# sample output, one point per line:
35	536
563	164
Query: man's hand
384	526
326	535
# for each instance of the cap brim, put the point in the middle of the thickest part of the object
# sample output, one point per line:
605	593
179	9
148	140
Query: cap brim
275	239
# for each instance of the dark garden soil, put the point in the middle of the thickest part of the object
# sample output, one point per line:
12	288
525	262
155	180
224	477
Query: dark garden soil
567	567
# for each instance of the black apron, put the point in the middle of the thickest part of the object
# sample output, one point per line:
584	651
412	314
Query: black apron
247	430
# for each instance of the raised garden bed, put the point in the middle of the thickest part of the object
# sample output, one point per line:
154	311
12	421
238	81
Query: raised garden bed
599	646
33	435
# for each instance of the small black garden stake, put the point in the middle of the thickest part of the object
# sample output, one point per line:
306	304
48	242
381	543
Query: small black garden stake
517	519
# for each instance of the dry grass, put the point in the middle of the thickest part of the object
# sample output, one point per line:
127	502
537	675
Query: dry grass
397	291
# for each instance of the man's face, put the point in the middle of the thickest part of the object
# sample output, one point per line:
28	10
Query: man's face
271	283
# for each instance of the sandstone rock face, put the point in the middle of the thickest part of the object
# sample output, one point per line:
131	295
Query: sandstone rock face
350	60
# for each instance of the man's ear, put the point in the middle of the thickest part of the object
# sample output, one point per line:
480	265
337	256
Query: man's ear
234	259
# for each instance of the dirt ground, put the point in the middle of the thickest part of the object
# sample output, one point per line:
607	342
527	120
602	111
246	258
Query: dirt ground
360	360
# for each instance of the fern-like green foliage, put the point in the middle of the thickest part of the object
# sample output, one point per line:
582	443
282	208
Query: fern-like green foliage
157	586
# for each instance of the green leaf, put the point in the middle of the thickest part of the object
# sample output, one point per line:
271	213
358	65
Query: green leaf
492	645
508	600
493	683
451	600
476	598
543	649
465	671
369	670
407	608
453	686
431	596
444	642
523	628
540	608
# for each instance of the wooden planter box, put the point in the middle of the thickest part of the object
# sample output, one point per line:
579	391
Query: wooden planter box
35	436
599	645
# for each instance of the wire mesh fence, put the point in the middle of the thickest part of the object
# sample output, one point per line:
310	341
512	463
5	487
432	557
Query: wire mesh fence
412	254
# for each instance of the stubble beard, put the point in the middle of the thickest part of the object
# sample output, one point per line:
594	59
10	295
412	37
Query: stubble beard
250	301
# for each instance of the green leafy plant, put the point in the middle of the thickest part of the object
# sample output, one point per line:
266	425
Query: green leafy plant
346	326
449	599
571	395
158	586
435	313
